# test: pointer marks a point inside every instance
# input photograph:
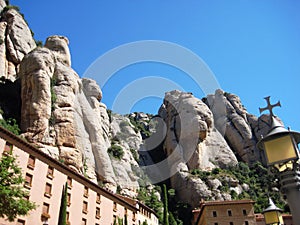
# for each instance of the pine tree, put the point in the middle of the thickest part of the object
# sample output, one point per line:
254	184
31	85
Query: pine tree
172	220
166	210
12	194
62	220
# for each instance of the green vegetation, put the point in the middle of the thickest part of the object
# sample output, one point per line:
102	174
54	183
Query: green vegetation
134	154
8	7
13	200
151	199
62	220
11	125
140	127
109	112
261	184
166	209
116	151
39	43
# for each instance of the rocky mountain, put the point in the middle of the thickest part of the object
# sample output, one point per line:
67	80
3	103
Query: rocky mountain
62	114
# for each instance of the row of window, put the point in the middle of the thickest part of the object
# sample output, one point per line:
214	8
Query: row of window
48	190
229	213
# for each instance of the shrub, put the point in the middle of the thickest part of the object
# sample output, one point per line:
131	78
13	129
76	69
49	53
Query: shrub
116	151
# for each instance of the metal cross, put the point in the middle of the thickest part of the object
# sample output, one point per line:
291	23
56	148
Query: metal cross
269	106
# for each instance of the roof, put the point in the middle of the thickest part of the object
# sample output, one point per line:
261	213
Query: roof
134	202
231	202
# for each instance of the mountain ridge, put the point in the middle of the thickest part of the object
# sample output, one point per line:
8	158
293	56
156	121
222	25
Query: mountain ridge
63	115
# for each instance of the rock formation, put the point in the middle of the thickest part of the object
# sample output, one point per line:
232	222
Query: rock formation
15	41
241	129
62	114
196	143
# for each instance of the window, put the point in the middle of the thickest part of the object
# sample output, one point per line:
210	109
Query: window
48	189
97	212
69	182
68	218
230	223
246	223
86	192
20	222
125	212
28	180
68	199
98	198
83	221
115	206
85	207
8	148
50	172
31	162
216	223
45	213
229	213
134	216
214	213
244	212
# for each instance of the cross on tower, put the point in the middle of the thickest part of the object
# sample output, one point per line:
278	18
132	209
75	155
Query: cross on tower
269	106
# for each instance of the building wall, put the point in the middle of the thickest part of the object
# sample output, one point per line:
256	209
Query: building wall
225	213
287	219
145	214
223	217
81	191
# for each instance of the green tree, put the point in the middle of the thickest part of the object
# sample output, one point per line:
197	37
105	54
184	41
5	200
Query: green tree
62	220
172	220
166	210
12	193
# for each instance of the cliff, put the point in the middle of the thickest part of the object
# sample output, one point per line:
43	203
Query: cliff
62	114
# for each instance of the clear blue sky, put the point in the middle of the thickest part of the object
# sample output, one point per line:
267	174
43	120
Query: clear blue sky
252	46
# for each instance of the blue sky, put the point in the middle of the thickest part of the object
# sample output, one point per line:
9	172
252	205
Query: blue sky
251	46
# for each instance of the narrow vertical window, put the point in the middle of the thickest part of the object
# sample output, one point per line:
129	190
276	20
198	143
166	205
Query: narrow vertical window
31	162
28	180
68	199
45	212
115	206
229	213
85	207
98	198
244	212
97	212
7	148
48	189
83	221
50	172
214	213
86	192
69	182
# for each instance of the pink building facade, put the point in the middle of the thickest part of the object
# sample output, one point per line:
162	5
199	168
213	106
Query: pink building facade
45	177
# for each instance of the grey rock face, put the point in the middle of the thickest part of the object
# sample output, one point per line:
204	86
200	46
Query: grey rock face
16	40
241	129
197	144
59	111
